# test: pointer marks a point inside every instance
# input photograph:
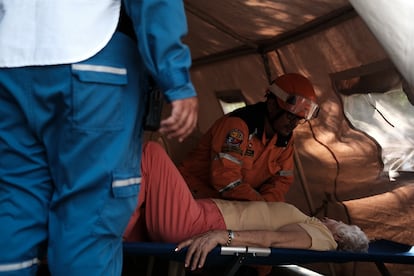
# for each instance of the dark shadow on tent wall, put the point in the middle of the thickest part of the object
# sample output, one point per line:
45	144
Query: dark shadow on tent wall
377	77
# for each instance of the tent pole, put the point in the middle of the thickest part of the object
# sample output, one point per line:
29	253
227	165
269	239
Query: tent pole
303	182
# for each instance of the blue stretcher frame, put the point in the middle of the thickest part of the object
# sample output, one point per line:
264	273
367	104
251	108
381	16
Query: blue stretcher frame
380	252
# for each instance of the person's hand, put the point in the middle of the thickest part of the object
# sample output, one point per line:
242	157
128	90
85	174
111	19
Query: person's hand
182	120
200	246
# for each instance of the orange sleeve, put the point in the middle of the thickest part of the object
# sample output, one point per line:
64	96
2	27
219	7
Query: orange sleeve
279	184
230	138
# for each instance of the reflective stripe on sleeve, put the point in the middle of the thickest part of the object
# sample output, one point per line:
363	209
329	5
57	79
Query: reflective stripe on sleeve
18	266
285	173
127	182
229	157
232	185
99	68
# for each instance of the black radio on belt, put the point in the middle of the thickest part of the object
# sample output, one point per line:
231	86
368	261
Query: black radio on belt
155	98
154	107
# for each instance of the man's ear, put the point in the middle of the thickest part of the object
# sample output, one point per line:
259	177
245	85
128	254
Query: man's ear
272	101
272	106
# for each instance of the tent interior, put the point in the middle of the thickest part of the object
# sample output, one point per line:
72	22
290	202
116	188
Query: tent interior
354	162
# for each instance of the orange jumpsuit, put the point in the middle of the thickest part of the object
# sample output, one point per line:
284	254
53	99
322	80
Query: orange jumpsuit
235	160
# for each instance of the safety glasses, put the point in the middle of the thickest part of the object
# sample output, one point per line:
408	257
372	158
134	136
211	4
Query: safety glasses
295	104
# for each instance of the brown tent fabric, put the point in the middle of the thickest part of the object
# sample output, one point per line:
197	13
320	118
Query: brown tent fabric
392	210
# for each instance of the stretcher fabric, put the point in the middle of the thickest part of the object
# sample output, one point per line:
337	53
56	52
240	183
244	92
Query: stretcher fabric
381	251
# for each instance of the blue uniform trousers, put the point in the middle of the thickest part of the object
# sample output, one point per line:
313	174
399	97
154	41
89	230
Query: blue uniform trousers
70	149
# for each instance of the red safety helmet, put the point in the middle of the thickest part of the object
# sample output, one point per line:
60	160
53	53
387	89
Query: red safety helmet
295	94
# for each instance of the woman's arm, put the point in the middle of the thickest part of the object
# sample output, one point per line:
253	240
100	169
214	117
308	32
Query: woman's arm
290	236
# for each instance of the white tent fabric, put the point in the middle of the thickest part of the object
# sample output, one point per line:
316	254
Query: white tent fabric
387	117
391	22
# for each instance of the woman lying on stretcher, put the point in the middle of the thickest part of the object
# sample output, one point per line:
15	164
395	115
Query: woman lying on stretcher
171	214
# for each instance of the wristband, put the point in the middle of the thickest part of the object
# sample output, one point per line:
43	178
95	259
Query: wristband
230	237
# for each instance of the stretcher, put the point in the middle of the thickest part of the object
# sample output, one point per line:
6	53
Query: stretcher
380	252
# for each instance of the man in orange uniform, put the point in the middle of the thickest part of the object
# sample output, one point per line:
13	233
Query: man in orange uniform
248	154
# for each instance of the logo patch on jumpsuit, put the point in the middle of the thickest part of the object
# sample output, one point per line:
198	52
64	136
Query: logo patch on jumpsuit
233	141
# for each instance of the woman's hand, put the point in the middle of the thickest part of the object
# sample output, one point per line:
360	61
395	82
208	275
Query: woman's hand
199	246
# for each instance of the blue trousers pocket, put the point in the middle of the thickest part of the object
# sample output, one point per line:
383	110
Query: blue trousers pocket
97	96
119	206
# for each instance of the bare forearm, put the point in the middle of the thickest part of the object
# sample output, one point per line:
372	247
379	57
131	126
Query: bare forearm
285	239
251	238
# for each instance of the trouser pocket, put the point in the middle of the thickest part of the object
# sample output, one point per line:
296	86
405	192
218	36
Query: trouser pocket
118	207
97	96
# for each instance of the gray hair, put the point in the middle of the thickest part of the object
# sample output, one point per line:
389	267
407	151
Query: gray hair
351	238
